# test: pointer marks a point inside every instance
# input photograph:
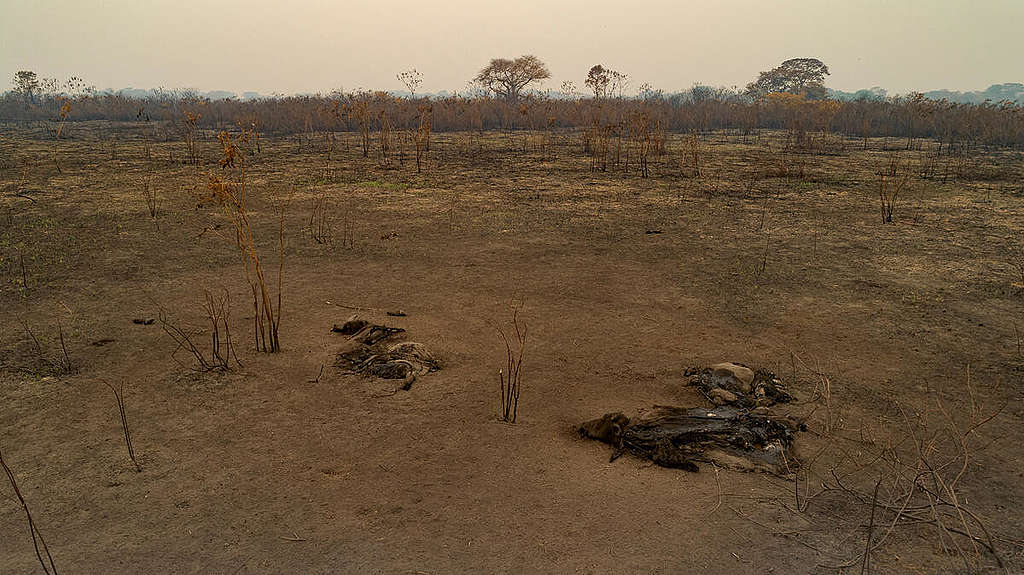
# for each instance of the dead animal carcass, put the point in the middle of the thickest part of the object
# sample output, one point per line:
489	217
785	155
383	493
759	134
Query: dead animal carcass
680	438
737	384
371	350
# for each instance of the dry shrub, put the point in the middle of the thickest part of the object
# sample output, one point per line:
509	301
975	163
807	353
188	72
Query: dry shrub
320	225
423	134
65	109
47	364
229	193
510	377
119	398
187	128
890	183
149	194
809	122
691	155
643	142
38	542
217	312
906	475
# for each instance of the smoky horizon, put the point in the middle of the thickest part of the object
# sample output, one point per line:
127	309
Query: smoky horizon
317	47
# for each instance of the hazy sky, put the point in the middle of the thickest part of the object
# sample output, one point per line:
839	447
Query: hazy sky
289	46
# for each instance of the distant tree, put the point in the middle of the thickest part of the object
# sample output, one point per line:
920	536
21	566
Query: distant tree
875	94
412	80
48	88
507	78
701	93
804	76
26	82
75	86
619	82
598	80
650	94
605	81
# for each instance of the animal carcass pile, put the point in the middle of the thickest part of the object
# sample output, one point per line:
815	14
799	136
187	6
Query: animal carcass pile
739	432
377	351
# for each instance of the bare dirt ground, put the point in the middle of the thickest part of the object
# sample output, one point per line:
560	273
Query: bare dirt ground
268	468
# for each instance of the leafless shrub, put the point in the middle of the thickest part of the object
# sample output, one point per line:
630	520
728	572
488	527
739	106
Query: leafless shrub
218	312
909	478
119	398
46	364
348	237
359	109
188	131
37	538
691	152
149	194
890	183
423	134
384	122
927	165
229	193
65	109
221	349
643	142
510	377
767	248
320	230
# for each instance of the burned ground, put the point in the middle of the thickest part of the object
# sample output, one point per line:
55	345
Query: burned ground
270	467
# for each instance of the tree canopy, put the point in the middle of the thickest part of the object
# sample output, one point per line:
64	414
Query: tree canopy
605	81
507	78
598	79
804	76
26	82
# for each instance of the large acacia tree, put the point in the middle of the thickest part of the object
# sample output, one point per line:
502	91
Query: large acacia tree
507	78
805	76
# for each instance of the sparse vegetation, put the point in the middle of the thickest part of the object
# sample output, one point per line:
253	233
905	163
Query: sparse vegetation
320	225
45	363
38	542
643	230
65	109
230	194
149	194
510	377
119	398
891	182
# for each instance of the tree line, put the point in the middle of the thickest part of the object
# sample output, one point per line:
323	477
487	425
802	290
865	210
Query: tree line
791	96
